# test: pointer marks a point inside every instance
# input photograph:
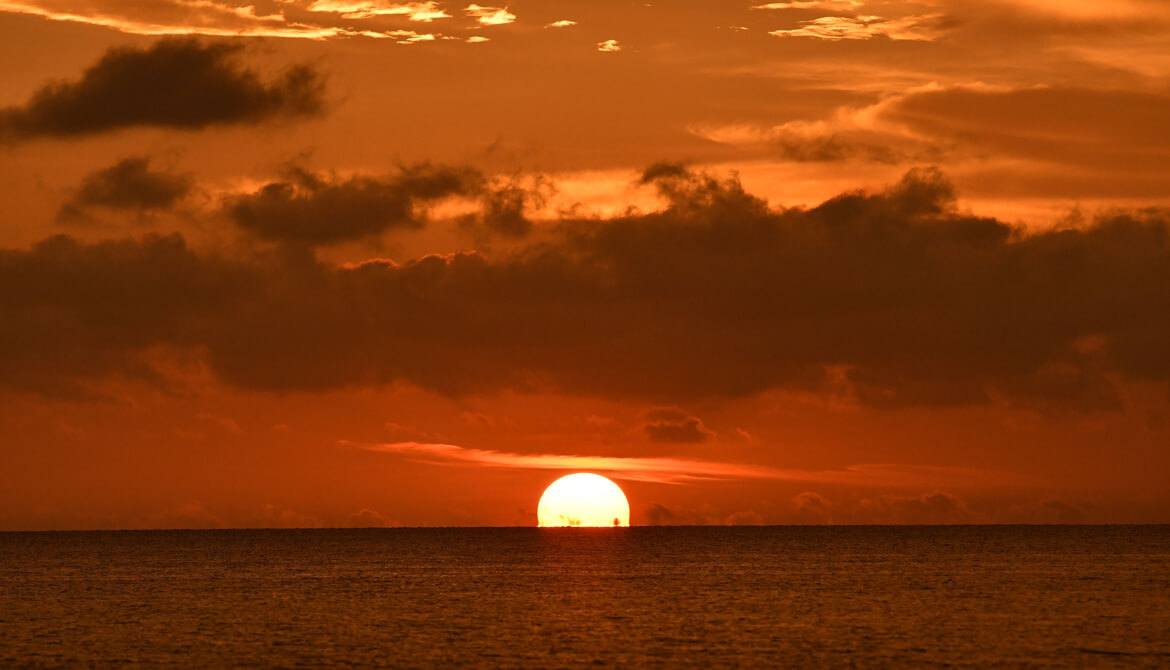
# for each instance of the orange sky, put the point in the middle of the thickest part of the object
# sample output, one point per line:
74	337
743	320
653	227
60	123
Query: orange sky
359	262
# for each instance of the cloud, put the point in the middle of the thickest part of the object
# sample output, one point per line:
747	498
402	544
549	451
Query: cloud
937	507
409	36
847	136
368	518
563	23
172	17
812	508
175	83
504	207
668	470
129	184
744	518
661	515
93	310
669	424
831	5
275	516
651	469
892	299
225	423
189	515
834	28
1054	510
609	46
1056	141
310	208
1111	129
1094	11
490	16
364	9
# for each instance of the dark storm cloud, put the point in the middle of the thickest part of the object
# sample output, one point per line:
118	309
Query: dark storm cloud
896	297
669	424
310	208
176	83
129	184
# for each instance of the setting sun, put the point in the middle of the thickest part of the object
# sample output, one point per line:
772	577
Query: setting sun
583	499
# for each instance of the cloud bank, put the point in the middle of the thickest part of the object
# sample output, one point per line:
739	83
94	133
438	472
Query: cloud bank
895	298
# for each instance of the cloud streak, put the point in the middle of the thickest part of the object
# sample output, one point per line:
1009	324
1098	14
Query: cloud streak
836	28
667	470
364	9
172	17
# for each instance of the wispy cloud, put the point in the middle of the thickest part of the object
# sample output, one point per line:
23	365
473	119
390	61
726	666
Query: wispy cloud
217	19
490	16
667	470
175	17
409	36
609	46
563	23
834	5
207	17
364	9
919	28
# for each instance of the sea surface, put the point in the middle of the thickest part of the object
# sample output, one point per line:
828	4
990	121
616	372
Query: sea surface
799	597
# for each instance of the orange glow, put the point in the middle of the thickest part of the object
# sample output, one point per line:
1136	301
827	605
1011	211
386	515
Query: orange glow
405	262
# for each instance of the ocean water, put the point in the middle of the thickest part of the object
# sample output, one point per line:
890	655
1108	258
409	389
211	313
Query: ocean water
639	597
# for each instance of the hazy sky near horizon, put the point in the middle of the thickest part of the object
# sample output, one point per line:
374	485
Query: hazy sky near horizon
359	262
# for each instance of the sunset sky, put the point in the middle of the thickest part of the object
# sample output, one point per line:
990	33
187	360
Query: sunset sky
365	263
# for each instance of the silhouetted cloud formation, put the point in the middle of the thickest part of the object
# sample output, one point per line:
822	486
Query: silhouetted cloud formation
669	424
896	298
129	184
316	209
80	311
175	83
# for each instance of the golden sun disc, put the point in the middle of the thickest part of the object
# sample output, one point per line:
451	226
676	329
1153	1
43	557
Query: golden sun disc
583	499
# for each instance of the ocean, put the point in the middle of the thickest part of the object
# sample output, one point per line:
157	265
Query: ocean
796	597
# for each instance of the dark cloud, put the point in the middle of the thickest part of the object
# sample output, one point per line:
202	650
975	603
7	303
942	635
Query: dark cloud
75	311
176	83
129	184
669	424
503	211
310	208
897	294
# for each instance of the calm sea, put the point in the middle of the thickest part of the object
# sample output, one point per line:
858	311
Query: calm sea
661	597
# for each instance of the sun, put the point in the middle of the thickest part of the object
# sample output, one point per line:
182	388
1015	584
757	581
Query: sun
583	499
